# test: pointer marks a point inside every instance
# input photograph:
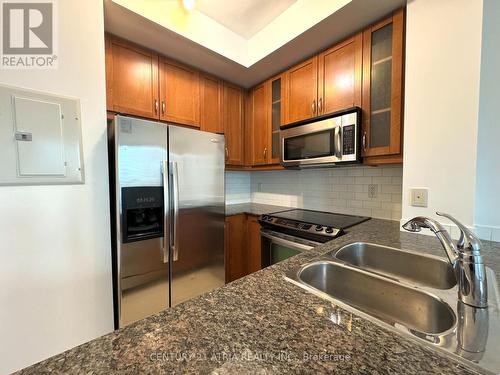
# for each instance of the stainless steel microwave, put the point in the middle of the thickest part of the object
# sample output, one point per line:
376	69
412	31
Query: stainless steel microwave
327	141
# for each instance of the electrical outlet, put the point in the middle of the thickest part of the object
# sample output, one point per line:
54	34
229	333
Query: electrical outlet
419	197
372	191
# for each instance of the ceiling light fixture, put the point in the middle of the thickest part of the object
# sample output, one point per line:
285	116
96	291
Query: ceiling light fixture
188	4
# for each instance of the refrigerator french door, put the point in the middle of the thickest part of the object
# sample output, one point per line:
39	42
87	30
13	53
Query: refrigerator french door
169	187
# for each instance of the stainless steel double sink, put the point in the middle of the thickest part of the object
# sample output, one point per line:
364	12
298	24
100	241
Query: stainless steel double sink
408	292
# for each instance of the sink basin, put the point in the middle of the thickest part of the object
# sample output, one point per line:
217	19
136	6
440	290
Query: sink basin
429	271
387	300
409	293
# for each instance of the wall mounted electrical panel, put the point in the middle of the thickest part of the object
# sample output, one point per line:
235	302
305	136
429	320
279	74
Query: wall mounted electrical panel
40	138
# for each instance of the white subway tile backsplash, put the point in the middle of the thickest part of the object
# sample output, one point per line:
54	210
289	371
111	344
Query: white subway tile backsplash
238	187
355	172
374	172
343	190
392	171
371	204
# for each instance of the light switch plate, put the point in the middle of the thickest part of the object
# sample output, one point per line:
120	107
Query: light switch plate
419	197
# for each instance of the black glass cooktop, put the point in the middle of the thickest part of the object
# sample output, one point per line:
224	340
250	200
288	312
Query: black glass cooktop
327	219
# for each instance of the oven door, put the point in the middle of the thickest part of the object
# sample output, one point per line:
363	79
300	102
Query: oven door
277	246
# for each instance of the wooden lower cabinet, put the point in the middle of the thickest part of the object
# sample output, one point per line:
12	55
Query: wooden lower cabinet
254	253
242	246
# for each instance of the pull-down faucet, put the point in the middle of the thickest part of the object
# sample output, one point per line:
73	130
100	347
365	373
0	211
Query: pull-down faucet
465	258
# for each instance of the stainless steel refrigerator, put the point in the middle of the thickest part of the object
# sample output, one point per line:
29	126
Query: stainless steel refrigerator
168	200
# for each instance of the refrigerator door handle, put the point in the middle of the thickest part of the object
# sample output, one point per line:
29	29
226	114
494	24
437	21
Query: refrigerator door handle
164	239
175	198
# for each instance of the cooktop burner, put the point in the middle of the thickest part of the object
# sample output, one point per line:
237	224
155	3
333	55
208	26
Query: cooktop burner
315	225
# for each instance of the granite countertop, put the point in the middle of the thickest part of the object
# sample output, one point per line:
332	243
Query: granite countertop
262	324
252	209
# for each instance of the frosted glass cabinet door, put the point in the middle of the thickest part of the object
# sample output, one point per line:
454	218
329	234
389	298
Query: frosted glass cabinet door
276	116
40	146
382	87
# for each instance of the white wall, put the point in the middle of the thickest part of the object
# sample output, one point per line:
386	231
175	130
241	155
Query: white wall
443	50
55	263
487	214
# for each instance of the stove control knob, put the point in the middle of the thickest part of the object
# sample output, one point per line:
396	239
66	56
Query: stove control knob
265	217
329	230
319	228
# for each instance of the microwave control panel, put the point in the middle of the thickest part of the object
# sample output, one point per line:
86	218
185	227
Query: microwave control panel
349	140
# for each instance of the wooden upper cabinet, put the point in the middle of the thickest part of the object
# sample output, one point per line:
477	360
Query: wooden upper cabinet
260	125
339	76
383	89
232	110
211	104
131	79
278	88
302	91
179	93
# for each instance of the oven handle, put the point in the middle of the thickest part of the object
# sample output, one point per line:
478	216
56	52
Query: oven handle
281	241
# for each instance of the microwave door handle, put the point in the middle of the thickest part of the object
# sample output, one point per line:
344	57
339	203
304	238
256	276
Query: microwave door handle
174	239
166	221
337	142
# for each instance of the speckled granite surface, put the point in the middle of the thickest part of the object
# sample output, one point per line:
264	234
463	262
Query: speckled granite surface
262	324
252	209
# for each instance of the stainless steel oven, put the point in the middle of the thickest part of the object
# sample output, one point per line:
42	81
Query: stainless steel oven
277	246
330	140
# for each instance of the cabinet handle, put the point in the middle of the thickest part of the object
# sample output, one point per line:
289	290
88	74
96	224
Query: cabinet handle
163	106
156	106
364	141
265	153
313	107
227	154
320	106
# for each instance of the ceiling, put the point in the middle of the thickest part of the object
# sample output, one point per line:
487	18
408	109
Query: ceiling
244	17
194	38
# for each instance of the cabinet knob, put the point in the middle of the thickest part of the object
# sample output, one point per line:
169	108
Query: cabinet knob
163	106
156	106
313	107
265	153
320	106
227	154
364	141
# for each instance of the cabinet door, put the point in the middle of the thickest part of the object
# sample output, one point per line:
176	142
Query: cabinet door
277	115
254	253
211	105
180	93
233	124
339	76
382	87
261	131
302	91
235	247
131	78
